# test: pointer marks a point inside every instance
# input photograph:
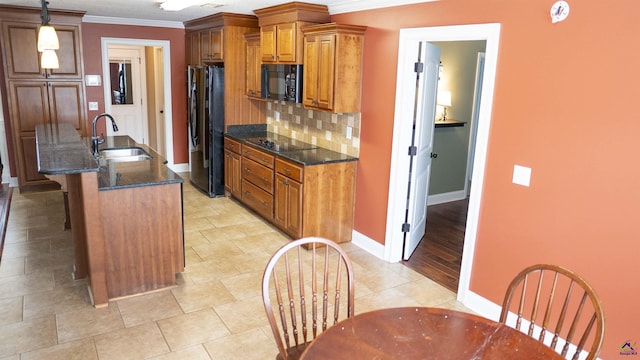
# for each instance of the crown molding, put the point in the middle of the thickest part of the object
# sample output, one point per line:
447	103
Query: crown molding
134	22
358	5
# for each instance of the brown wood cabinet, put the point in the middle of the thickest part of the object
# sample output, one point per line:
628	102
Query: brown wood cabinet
41	102
211	45
280	30
39	96
314	200
288	198
333	67
192	48
252	65
23	58
232	167
223	40
257	180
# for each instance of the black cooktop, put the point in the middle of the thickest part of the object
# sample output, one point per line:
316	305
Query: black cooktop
280	143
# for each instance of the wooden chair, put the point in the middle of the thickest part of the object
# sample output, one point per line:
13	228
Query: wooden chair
307	287
548	300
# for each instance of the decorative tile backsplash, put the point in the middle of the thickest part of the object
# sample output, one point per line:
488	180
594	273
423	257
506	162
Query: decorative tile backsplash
319	128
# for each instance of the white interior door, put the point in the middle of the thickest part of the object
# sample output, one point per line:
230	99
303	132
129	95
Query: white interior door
424	109
126	82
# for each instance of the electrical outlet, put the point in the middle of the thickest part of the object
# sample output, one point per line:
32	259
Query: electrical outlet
521	175
93	105
277	115
349	132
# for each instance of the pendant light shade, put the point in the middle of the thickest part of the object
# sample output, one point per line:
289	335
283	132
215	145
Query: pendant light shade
47	38
49	60
47	41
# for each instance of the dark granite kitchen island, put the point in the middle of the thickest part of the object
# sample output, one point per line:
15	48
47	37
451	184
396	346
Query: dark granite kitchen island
126	217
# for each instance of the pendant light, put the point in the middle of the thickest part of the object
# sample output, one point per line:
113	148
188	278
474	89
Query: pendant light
47	40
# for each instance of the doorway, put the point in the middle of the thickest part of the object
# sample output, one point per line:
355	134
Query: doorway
438	255
401	136
158	113
127	78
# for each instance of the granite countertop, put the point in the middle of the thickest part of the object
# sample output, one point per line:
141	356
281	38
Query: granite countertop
116	175
302	153
62	151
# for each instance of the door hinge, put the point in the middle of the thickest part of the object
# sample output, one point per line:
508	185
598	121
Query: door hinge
406	227
413	151
418	67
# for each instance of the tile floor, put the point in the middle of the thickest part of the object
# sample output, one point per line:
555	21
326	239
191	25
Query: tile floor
216	312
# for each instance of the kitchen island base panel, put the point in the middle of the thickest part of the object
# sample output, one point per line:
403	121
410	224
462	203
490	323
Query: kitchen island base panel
145	250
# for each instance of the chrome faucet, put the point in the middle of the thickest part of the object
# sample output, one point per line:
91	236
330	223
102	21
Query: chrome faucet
97	140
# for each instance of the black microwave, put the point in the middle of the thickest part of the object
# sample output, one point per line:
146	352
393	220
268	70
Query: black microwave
281	82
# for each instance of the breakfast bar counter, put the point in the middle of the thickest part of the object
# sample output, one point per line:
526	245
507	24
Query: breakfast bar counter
125	213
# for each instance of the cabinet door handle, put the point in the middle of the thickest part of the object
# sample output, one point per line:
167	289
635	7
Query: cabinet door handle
266	161
286	170
247	170
265	180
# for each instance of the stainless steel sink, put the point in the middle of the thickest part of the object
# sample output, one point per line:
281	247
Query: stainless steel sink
124	154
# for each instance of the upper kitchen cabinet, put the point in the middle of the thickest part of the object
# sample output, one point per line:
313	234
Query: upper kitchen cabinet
192	45
280	30
220	39
211	45
217	38
333	67
252	65
23	60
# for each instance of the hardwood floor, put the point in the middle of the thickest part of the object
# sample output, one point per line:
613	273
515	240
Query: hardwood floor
439	254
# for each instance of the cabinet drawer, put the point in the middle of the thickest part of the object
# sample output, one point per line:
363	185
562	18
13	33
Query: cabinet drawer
258	175
232	145
258	156
289	170
257	199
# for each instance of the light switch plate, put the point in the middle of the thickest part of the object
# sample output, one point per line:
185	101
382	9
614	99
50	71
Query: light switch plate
349	132
93	105
521	175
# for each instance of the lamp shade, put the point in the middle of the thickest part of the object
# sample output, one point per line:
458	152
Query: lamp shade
47	38
49	60
444	98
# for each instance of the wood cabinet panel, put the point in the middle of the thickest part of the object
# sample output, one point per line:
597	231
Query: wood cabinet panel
29	154
144	254
258	156
66	104
29	102
211	45
258	175
253	63
287	205
257	199
233	173
333	67
23	60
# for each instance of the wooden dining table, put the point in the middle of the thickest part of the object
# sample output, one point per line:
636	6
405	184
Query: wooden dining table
424	333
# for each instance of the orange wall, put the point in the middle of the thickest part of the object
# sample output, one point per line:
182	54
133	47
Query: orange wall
92	52
565	105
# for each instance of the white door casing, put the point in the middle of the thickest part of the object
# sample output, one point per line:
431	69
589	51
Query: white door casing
401	131
423	114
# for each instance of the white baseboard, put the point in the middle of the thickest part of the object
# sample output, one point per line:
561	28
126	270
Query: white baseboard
446	197
179	168
367	244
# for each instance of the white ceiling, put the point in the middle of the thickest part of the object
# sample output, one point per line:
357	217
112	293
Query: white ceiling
127	11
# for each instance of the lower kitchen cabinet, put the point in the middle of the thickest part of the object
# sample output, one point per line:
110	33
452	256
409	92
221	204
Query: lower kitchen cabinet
301	200
232	167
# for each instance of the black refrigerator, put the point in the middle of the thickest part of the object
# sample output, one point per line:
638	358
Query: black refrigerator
206	126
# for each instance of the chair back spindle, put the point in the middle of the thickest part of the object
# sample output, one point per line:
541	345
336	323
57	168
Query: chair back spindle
558	325
322	262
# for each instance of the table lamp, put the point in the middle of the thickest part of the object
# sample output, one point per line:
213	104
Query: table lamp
444	100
